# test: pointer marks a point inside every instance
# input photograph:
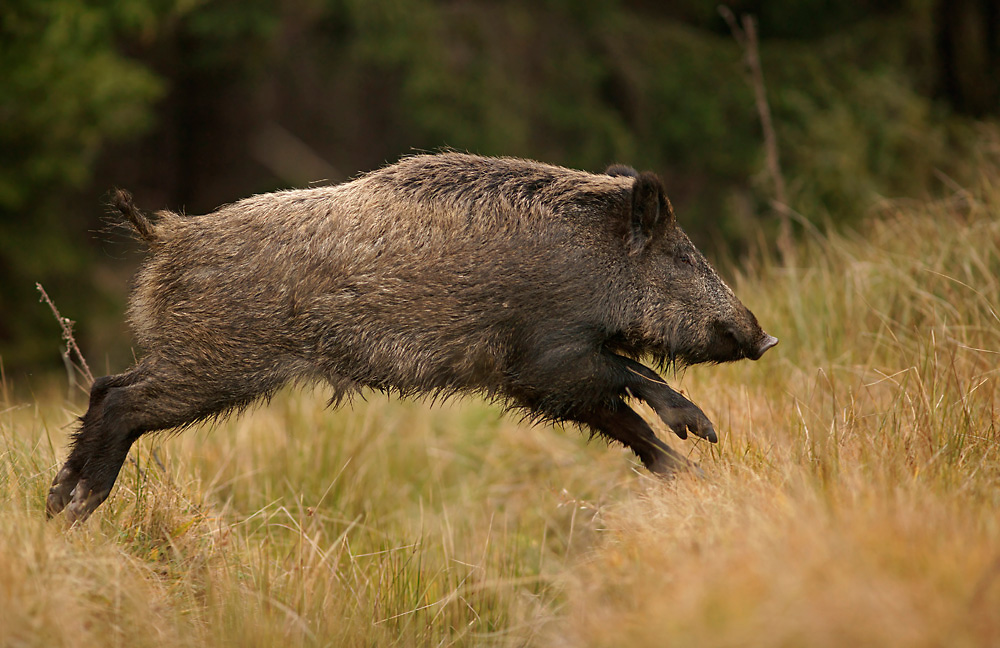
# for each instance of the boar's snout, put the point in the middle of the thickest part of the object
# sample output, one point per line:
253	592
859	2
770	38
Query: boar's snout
734	340
765	344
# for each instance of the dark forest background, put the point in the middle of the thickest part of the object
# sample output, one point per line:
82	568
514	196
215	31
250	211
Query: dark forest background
194	103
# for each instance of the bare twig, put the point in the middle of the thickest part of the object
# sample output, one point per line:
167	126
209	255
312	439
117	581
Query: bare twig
746	36
71	347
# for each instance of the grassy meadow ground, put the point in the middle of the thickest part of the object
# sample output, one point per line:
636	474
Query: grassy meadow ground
853	500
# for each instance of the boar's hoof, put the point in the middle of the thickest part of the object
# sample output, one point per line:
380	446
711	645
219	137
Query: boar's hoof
61	491
689	418
708	434
84	502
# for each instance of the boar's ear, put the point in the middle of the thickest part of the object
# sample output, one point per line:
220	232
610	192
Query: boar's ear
621	170
651	211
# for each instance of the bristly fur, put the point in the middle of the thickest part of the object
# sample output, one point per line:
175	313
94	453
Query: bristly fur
535	286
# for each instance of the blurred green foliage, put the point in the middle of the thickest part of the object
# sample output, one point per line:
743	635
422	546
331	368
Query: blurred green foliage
171	97
64	90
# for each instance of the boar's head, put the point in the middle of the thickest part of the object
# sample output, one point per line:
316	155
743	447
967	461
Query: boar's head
688	313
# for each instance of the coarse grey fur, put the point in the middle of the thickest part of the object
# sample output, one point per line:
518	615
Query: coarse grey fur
533	285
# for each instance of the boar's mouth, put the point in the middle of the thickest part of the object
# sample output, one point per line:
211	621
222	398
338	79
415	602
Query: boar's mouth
724	345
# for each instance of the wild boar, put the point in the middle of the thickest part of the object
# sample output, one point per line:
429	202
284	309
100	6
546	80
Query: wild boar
535	286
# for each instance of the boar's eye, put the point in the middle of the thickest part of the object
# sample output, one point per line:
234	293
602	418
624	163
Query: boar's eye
684	259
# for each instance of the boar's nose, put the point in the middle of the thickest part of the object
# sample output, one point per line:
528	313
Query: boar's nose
765	344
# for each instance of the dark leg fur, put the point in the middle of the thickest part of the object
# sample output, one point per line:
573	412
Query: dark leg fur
66	480
576	384
620	423
123	408
676	411
564	383
100	447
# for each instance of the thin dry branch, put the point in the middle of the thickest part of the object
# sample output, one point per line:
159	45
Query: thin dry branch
72	368
746	36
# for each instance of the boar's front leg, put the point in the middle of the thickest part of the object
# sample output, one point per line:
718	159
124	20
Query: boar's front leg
679	413
572	382
619	422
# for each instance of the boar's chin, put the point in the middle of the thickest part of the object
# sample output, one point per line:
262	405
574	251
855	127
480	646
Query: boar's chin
677	357
718	352
711	356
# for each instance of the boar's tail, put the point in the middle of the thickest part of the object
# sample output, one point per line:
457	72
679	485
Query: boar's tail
121	202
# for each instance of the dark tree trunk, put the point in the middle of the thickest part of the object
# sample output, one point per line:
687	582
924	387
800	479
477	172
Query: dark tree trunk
968	44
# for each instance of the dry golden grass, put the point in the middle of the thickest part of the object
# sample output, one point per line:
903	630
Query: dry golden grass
853	498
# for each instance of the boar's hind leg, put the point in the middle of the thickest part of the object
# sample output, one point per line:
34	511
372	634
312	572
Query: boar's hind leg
123	408
620	423
68	477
